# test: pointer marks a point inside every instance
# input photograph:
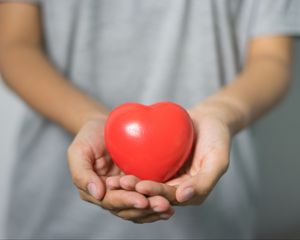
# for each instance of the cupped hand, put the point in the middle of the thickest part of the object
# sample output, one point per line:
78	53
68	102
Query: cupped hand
208	162
90	166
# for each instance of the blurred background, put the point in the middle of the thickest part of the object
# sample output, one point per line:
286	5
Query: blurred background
278	143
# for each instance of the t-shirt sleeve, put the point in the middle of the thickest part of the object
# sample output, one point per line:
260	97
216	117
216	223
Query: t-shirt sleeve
276	17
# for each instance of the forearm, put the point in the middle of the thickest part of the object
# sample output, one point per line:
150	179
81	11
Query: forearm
27	71
258	88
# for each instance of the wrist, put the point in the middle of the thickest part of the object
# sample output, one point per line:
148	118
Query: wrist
225	110
95	116
99	117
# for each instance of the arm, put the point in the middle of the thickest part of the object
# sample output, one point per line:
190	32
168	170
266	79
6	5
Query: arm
27	71
259	87
262	83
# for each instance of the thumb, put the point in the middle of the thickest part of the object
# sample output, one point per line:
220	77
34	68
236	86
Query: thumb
83	174
198	186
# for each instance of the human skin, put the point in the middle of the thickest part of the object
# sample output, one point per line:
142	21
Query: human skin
261	84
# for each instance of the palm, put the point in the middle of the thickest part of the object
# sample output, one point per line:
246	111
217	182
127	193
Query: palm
211	149
91	137
206	165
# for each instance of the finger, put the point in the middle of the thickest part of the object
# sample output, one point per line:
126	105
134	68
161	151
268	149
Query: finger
128	182
159	204
87	197
120	199
152	188
102	165
199	185
133	214
113	182
178	180
156	217
83	174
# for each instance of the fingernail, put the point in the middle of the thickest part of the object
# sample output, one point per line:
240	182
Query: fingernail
187	194
92	189
139	205
157	209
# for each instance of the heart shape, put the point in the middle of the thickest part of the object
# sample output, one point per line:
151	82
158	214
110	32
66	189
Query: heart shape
150	142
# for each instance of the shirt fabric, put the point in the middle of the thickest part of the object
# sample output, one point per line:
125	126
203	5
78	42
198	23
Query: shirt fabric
141	51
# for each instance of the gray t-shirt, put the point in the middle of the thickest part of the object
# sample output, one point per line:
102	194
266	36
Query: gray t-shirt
143	51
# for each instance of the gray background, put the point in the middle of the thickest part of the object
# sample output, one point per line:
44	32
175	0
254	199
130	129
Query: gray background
278	142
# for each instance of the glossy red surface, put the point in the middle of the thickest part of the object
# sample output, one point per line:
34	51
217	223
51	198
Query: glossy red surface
150	142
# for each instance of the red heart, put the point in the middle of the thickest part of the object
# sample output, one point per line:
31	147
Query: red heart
150	142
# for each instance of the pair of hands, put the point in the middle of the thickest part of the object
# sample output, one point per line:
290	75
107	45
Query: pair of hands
101	182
